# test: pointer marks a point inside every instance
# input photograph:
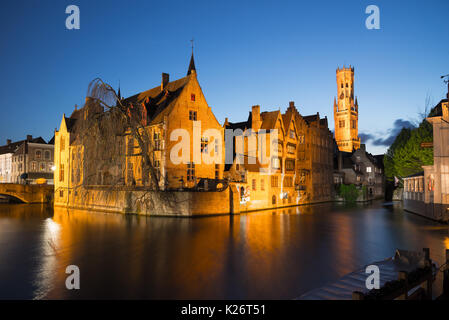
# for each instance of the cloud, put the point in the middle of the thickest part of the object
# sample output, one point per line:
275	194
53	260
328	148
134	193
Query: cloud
388	138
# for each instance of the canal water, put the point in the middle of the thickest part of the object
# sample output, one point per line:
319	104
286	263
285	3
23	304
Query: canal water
272	254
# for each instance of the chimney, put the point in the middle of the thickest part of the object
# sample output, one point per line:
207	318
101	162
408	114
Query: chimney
8	141
165	81
363	147
255	116
29	137
445	110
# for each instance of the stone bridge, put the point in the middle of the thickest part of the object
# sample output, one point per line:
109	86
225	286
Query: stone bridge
28	193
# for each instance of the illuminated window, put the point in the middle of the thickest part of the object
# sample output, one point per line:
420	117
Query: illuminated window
368	169
292	134
275	163
190	171
204	144
290	164
61	172
274	181
291	148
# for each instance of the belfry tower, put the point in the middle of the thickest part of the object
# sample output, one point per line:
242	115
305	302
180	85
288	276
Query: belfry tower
346	112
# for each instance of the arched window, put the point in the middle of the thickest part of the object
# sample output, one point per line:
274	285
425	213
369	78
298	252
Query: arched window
47	155
38	154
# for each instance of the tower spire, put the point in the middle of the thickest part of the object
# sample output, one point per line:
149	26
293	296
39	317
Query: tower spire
118	93
192	62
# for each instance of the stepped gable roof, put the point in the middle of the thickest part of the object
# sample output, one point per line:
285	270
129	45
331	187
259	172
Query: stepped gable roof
159	102
286	119
311	118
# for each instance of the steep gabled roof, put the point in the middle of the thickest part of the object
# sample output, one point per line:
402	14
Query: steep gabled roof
14	146
269	119
11	148
159	102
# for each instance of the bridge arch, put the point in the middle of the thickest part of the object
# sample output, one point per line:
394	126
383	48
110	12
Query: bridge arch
18	198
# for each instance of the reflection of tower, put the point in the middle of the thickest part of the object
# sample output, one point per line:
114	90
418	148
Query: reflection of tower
346	112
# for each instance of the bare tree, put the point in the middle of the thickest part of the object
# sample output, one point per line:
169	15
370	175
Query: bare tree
103	126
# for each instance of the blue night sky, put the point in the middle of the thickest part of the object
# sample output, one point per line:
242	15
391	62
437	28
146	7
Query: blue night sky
246	53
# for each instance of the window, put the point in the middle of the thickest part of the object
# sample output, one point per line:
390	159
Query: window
342	84
290	164
42	166
291	148
262	184
190	171
288	182
157	141
341	123
301	139
204	144
292	134
354	124
192	115
61	193
61	172
192	97
254	184
130	146
217	171
33	166
273	200
275	163
216	146
274	181
47	155
346	85
368	169
62	143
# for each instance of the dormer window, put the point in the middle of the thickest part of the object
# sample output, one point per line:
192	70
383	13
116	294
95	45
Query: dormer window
192	97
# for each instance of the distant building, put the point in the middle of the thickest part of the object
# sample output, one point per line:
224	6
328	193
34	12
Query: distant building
427	193
361	169
299	171
346	112
27	161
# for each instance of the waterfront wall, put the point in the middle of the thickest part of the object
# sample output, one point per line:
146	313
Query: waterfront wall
435	211
168	203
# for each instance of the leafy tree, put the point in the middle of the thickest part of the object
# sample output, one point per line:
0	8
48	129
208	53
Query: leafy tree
406	156
348	192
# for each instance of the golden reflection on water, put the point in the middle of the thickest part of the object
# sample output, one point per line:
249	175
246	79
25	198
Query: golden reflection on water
274	254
